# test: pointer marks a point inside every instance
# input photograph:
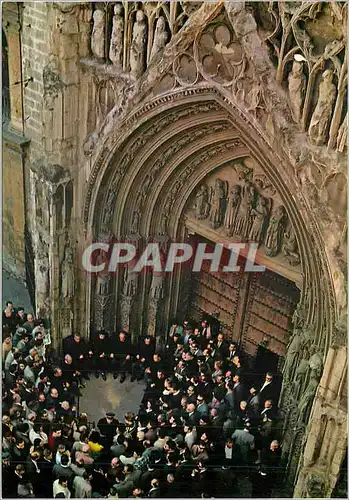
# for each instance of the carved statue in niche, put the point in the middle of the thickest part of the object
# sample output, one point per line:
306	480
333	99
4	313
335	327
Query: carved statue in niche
233	204
293	349
98	34
108	209
130	282
342	136
243	219
160	38
202	204
321	118
307	397
157	287
135	222
68	275
275	232
117	37
259	215
290	247
296	86
138	45
218	203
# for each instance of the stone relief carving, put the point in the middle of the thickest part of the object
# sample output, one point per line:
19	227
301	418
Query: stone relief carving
160	38
98	34
320	120
117	38
246	212
138	45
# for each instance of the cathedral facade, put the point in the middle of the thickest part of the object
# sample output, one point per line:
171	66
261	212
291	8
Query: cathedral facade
191	122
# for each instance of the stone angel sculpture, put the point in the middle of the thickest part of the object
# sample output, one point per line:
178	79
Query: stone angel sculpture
218	202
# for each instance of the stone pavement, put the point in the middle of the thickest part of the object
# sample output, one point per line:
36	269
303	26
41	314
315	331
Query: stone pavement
100	396
15	290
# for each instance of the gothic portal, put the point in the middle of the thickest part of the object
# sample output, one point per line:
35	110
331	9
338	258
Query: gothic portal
191	122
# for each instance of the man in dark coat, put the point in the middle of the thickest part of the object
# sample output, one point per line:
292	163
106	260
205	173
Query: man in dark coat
107	427
143	356
121	353
101	354
78	350
268	390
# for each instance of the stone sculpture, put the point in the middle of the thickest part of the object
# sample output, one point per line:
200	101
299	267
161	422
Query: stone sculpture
138	45
42	277
202	205
117	37
296	87
307	397
342	136
259	215
160	38
243	219
98	34
218	204
275	232
293	349
68	275
321	118
290	247
315	361
233	204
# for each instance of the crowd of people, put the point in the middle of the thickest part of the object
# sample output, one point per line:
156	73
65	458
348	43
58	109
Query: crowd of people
205	427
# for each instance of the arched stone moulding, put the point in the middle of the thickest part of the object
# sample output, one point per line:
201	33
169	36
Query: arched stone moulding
317	289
